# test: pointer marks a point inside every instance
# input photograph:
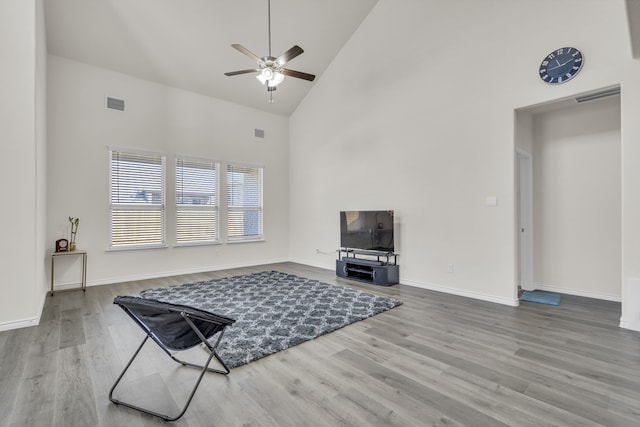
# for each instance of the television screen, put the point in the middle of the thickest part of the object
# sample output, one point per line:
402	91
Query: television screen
368	230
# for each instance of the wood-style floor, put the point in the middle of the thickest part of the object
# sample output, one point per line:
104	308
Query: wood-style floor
437	360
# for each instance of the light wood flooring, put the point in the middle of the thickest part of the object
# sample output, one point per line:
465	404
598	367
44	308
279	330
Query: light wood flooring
437	360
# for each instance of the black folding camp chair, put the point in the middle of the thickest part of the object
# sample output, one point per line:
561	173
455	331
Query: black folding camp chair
174	328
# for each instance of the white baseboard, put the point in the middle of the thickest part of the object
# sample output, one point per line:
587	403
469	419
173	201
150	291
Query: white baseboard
433	287
578	292
25	323
158	275
634	325
460	292
314	264
17	324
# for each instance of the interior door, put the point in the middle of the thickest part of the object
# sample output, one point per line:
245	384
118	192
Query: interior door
525	219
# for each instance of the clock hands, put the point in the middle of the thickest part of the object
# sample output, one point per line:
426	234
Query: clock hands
560	65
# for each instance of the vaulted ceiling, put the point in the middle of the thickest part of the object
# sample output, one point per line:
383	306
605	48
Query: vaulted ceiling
633	13
186	43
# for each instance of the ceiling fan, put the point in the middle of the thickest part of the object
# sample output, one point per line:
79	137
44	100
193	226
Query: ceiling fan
270	69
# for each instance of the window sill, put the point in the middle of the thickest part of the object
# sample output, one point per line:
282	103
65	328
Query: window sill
136	248
233	242
189	245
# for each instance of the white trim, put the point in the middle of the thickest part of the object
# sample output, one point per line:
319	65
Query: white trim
578	292
66	286
228	163
434	287
633	325
18	324
137	247
313	264
245	240
196	158
460	292
158	275
141	151
198	243
25	323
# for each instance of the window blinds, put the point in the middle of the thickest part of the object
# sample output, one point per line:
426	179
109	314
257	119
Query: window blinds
196	201
244	202
137	199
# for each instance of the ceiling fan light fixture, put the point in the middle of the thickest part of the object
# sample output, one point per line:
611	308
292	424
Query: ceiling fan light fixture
271	69
276	79
270	77
267	73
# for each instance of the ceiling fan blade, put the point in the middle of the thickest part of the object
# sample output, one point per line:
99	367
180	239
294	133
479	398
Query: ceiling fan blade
289	55
298	74
235	73
247	52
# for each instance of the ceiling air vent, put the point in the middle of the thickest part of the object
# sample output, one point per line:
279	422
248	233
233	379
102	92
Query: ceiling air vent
115	104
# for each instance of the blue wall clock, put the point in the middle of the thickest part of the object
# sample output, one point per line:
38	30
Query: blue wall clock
561	65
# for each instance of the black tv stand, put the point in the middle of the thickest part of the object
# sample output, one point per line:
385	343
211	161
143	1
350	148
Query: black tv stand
379	268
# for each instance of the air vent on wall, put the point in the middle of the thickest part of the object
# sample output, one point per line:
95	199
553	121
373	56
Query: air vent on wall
115	104
600	94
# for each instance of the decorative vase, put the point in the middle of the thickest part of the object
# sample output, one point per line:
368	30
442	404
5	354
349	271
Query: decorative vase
72	246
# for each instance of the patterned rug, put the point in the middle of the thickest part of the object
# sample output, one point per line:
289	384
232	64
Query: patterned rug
273	310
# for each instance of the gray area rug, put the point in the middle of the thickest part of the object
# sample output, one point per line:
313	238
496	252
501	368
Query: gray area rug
273	310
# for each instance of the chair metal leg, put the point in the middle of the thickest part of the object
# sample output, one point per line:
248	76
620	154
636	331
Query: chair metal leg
204	367
210	348
213	353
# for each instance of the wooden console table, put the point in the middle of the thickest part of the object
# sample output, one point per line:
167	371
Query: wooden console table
55	255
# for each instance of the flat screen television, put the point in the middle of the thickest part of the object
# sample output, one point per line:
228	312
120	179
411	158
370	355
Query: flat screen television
367	230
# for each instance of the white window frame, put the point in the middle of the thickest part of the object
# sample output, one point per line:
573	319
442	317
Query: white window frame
232	209
204	208
161	207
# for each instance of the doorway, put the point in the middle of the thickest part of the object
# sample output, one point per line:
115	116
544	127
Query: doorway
568	197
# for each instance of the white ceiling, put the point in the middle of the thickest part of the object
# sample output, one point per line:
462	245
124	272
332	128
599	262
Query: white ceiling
633	14
186	43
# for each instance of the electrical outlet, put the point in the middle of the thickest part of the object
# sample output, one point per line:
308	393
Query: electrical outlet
449	268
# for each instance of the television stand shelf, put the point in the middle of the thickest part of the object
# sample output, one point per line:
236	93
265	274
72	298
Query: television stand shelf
379	268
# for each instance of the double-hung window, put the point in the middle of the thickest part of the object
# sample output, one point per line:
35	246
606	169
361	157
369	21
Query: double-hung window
244	202
196	201
136	199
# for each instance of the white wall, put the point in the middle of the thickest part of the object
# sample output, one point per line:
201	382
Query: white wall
41	272
22	127
577	200
630	102
416	114
162	119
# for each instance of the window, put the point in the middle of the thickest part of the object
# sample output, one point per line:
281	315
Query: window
137	199
196	201
244	202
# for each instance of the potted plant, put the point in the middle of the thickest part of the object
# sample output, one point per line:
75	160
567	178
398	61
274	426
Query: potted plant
74	229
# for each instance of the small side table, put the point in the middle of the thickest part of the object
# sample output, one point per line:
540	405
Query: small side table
54	255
